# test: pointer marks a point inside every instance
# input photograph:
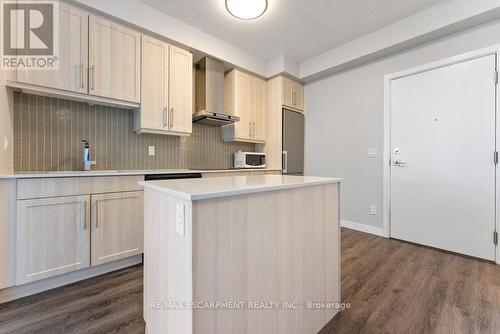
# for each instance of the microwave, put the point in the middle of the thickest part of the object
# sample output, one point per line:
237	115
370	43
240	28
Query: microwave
249	160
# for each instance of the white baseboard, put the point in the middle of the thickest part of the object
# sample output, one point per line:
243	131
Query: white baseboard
363	228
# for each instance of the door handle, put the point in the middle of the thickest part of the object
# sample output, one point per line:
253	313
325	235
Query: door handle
285	162
399	163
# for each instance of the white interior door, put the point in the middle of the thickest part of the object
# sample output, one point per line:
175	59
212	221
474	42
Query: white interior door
443	135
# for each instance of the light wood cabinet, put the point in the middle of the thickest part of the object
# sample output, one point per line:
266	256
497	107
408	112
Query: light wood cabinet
8	208
117	226
293	94
258	113
53	237
166	99
71	74
114	60
245	97
181	90
153	115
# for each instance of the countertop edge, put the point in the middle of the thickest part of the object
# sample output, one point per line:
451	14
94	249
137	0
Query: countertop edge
236	192
50	175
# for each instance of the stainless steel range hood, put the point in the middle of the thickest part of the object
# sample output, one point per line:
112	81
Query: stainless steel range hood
210	94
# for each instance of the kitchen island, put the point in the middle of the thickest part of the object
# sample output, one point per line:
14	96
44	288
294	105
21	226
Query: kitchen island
242	254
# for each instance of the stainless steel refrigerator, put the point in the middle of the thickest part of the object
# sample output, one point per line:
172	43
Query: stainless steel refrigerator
293	142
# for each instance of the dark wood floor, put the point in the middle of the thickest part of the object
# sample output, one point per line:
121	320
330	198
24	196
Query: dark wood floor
397	287
394	287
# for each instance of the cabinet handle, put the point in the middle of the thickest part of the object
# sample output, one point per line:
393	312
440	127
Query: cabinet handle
82	68
250	129
165	117
253	133
285	162
96	214
171	117
84	214
91	77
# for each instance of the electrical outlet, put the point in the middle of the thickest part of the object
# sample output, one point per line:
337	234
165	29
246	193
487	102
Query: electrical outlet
373	210
179	219
6	143
151	151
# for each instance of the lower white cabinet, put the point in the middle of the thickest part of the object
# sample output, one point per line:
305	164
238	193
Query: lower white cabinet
117	226
53	237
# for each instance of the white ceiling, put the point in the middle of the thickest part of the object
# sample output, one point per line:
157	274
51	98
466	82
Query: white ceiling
299	29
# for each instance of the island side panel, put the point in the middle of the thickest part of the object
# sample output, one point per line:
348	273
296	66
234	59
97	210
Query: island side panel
167	264
274	246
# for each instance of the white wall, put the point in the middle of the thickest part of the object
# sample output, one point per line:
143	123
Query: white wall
344	117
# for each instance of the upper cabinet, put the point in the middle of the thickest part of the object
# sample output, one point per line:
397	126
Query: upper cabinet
293	94
73	53
167	85
245	97
153	115
114	60
181	90
98	61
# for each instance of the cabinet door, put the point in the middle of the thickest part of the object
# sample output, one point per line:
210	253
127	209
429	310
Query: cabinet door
72	59
242	105
114	60
298	95
53	237
181	90
259	111
154	85
287	92
117	226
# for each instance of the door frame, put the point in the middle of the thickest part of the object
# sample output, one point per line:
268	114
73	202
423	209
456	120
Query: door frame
386	210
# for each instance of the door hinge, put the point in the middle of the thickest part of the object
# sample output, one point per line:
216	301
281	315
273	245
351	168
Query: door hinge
496	76
495	238
495	157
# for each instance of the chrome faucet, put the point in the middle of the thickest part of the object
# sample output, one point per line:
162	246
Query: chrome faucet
87	163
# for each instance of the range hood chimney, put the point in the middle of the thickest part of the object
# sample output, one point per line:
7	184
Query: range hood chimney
210	94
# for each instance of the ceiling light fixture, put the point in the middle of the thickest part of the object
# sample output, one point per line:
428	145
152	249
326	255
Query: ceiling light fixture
246	9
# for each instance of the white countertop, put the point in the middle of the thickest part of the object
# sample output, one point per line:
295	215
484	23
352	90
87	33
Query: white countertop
199	189
35	175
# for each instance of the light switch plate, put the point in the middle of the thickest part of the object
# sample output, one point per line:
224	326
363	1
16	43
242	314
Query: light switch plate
373	210
151	151
179	219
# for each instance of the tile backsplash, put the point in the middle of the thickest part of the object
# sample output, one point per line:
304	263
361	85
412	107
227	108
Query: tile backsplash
48	134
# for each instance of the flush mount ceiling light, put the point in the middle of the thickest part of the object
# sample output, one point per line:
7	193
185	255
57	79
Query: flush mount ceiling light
246	9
